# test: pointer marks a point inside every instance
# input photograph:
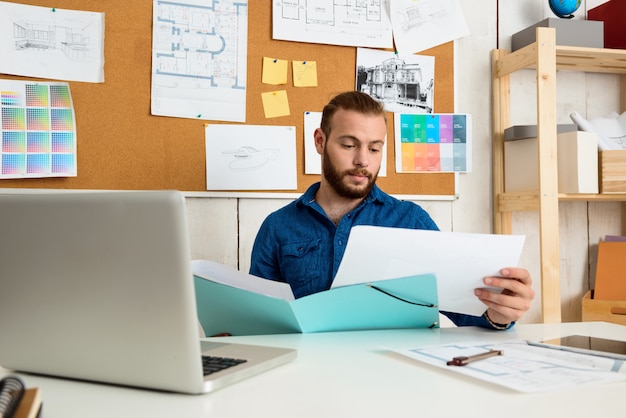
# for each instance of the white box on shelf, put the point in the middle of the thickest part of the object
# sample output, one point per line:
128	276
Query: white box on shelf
577	163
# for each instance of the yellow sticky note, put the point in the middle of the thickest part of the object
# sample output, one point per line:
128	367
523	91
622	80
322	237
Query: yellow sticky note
275	103
304	74
274	71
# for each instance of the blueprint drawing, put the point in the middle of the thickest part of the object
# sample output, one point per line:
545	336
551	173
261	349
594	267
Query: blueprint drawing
199	59
336	22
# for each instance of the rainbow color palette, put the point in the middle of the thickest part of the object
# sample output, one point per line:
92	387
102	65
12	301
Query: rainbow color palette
38	130
433	142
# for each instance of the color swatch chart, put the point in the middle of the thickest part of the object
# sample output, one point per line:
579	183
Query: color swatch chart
38	130
433	142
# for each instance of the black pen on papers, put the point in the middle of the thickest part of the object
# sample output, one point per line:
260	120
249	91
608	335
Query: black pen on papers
464	360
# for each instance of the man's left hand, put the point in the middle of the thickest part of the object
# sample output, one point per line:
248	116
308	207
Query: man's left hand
513	301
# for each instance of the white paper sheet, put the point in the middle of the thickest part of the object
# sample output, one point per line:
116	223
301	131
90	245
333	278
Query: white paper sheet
250	157
199	53
420	25
522	367
352	23
52	43
460	261
220	273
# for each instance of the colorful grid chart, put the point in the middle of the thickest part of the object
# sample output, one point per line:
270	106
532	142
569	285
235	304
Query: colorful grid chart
433	142
38	130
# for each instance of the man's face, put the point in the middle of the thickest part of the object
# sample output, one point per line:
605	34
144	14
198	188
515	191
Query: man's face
352	155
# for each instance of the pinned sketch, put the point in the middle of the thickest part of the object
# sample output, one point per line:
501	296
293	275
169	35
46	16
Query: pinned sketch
347	22
420	25
404	83
247	158
199	52
38	130
250	157
51	43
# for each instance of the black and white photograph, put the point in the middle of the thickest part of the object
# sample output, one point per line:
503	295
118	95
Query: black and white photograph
404	83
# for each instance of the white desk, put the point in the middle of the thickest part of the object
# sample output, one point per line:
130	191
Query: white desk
350	375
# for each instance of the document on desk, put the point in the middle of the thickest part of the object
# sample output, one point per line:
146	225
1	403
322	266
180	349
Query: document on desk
522	367
459	261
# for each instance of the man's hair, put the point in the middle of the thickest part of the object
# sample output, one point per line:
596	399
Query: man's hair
350	100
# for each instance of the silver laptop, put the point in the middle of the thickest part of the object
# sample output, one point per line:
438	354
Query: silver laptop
98	286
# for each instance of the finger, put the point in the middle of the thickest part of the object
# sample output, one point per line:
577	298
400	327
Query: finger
509	286
517	273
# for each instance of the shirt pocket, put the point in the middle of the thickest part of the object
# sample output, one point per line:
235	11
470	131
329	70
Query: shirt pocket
300	266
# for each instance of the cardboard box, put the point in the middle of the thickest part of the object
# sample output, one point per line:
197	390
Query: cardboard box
613	171
569	32
603	310
613	15
577	163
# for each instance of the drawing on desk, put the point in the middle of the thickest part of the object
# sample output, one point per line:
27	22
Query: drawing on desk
51	43
199	57
346	22
523	367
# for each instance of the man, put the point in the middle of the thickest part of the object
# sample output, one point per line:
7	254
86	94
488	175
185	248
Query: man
303	243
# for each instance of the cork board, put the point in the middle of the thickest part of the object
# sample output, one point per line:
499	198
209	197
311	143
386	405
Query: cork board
121	146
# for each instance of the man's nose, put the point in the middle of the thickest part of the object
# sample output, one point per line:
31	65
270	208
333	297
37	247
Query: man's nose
362	158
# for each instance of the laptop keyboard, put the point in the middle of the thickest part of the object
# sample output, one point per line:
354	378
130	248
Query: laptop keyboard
212	364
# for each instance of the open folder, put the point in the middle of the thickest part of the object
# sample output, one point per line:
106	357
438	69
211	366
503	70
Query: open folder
230	301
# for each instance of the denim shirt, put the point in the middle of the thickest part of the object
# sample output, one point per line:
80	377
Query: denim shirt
298	244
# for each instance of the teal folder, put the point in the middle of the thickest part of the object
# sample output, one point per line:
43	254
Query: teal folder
409	302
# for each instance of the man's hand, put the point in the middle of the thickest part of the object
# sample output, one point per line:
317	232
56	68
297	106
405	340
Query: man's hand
513	301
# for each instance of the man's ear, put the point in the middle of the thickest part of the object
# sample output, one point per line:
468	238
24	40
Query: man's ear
320	140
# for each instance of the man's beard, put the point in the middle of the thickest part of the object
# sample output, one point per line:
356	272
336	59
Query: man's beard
336	180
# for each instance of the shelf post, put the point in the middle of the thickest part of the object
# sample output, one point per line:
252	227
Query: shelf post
501	95
548	175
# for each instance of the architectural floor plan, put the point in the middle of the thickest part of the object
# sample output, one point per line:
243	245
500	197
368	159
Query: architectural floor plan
199	59
339	22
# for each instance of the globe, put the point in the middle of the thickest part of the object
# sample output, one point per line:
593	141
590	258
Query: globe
564	8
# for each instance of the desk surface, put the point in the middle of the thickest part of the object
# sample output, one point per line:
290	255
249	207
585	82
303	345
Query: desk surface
351	374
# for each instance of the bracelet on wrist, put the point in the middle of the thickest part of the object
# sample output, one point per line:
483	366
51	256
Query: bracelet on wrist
495	325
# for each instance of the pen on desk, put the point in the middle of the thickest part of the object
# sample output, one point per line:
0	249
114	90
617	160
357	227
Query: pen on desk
464	360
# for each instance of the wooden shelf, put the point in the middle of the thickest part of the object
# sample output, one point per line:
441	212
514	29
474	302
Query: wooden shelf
568	58
545	57
513	202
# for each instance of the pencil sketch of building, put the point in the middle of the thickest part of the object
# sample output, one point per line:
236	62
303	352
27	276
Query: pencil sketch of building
74	42
397	83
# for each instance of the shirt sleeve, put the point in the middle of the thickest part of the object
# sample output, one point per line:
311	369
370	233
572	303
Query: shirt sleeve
263	262
463	320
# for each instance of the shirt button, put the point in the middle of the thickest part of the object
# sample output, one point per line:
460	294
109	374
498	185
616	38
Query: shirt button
340	242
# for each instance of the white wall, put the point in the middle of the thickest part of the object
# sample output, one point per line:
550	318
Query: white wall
223	229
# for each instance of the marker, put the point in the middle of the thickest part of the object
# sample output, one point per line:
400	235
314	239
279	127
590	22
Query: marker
465	360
